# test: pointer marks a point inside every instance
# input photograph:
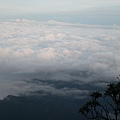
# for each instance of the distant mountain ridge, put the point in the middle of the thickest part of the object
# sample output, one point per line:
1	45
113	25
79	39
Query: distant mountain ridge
39	108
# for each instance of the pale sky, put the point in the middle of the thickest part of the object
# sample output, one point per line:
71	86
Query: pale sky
79	9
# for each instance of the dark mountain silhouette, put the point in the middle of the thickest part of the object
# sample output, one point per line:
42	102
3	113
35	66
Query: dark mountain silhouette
40	108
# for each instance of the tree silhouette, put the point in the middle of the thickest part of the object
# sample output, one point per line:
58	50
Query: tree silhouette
103	106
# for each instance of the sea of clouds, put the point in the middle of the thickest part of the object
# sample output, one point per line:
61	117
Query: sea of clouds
37	56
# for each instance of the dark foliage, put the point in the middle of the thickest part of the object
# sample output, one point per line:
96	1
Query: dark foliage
103	106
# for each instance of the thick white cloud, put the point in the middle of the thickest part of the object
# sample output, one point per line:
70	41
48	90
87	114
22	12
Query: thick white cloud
28	47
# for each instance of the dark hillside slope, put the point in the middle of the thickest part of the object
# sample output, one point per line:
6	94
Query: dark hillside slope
40	108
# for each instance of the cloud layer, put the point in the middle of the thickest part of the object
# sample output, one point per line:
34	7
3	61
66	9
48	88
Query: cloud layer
61	51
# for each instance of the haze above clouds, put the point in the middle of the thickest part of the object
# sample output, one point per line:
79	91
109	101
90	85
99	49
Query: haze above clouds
55	5
79	11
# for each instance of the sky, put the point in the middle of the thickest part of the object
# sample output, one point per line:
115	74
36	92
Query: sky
73	11
56	57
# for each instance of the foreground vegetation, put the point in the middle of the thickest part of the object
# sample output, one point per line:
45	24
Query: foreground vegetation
103	106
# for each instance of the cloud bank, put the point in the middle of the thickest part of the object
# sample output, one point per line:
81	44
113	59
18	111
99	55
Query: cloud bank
56	51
